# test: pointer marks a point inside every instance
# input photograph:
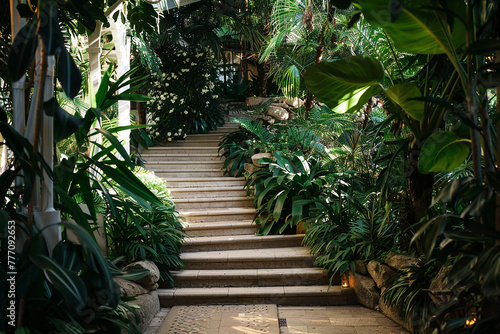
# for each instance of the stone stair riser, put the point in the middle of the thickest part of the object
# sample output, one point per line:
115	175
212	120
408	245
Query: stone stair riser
206	185
238	244
194	174
214	218
214	203
212	232
181	150
168	166
160	158
249	282
305	262
197	143
237	192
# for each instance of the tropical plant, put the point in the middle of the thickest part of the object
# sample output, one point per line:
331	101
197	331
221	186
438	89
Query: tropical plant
284	191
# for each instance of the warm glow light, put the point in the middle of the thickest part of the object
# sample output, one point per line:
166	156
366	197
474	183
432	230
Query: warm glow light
470	322
345	285
344	280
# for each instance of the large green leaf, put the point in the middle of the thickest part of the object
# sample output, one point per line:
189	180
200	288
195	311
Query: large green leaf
418	28
345	85
67	282
22	51
50	31
68	73
442	152
407	96
65	124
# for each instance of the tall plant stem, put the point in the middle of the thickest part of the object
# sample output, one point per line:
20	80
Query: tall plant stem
394	55
497	213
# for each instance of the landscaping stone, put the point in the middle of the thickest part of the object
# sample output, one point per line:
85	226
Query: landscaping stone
149	304
129	288
281	105
251	168
278	113
255	100
294	103
258	156
380	272
360	267
438	289
366	290
392	314
151	278
399	261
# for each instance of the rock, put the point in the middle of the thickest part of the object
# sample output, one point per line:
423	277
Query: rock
266	118
281	105
278	113
251	168
367	293
391	313
149	304
360	267
129	288
438	289
150	287
294	103
151	278
258	156
380	272
255	100
399	261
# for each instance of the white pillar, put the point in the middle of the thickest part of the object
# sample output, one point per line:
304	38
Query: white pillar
122	47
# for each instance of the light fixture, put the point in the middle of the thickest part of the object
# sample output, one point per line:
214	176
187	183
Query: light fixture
344	280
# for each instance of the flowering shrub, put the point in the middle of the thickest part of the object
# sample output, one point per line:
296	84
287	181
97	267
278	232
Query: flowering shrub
185	96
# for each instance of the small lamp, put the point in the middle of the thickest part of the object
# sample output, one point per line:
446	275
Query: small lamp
344	280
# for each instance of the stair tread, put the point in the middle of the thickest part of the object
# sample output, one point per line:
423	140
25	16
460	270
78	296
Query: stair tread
217	211
298	290
219	225
240	238
255	255
247	273
212	199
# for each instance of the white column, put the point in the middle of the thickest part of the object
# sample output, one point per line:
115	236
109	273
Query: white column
122	47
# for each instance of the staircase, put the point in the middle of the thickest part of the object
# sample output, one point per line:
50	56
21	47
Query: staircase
225	262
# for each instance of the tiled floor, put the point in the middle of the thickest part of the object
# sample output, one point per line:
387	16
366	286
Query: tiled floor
268	318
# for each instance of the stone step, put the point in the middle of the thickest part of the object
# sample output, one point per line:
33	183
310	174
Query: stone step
161	158
200	244
220	228
198	142
185	165
196	203
281	295
188	174
202	182
167	167
220	214
263	258
249	277
167	150
208	192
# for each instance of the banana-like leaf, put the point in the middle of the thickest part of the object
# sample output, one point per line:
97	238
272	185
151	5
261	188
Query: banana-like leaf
407	97
345	85
67	255
442	151
418	28
67	282
23	50
280	201
50	31
68	73
65	124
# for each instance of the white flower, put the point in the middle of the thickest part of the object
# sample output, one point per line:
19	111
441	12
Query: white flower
207	103
157	133
185	135
181	101
193	64
163	75
159	107
157	119
167	84
187	59
169	139
184	54
185	112
157	83
216	96
180	131
169	134
171	111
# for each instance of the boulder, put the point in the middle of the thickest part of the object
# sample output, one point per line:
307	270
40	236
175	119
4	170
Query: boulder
278	113
151	278
258	156
380	272
438	289
367	293
281	105
129	288
149	306
266	118
360	267
251	168
255	100
392	314
399	261
294	103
